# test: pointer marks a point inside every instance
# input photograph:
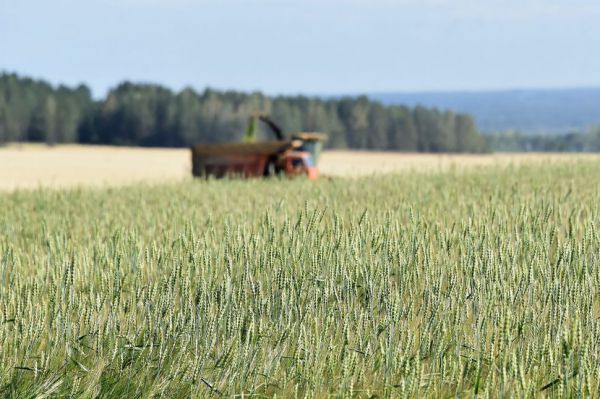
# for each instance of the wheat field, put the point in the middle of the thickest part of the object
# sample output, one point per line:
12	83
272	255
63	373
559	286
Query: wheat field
462	282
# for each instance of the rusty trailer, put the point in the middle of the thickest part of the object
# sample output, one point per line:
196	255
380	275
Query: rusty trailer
240	159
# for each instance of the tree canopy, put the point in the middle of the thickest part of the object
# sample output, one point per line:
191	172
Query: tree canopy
152	115
576	141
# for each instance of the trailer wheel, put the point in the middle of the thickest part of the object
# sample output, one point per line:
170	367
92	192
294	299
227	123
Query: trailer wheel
271	169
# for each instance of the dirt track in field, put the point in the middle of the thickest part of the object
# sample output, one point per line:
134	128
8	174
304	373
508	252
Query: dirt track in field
32	166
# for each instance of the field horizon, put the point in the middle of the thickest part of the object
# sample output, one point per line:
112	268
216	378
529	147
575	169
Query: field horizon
31	166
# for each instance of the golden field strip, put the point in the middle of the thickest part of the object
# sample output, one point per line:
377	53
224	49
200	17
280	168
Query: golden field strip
33	166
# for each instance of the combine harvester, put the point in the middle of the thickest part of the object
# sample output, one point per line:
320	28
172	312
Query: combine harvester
297	156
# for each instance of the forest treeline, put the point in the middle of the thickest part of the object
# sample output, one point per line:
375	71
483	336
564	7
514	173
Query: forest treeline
152	115
514	141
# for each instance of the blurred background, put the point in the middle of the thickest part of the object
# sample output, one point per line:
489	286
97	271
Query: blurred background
408	75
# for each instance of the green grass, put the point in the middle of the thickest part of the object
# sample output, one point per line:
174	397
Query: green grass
457	283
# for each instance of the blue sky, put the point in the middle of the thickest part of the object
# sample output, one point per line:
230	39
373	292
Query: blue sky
305	46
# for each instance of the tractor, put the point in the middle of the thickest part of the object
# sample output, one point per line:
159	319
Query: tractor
294	156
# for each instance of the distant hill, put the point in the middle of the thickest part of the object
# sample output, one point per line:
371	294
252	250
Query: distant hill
552	111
